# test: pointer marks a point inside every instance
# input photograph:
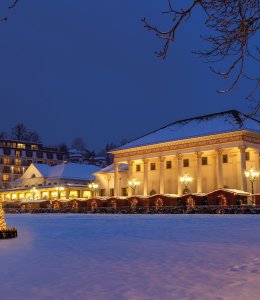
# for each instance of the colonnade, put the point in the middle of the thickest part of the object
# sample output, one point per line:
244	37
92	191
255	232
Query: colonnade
161	159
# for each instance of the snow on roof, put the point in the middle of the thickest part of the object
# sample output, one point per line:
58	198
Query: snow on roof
195	127
233	191
111	168
43	169
68	171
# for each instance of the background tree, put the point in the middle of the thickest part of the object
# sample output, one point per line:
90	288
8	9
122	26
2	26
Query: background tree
3	135
33	136
78	144
12	4
233	24
63	148
19	132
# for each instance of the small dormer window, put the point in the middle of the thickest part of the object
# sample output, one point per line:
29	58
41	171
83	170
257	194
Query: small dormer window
33	175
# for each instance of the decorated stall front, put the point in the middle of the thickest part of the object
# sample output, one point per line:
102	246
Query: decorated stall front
227	197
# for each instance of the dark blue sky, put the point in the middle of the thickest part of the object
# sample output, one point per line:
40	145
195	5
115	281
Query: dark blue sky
88	69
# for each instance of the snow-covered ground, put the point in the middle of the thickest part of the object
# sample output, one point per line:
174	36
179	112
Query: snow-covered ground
131	257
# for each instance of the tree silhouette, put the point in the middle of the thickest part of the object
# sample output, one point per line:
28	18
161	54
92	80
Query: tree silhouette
233	24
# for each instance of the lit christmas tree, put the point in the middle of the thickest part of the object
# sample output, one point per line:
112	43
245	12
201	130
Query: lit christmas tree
2	218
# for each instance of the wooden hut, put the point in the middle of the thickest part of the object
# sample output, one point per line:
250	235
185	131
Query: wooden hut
194	199
227	197
96	202
159	201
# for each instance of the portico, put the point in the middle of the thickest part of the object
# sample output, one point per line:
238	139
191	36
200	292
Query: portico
212	160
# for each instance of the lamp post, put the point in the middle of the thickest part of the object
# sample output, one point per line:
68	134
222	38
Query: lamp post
59	189
93	186
186	180
133	184
252	175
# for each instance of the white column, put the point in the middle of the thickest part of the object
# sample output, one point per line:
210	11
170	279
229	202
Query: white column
161	180
116	170
219	168
180	187
257	168
130	176
145	181
242	156
199	163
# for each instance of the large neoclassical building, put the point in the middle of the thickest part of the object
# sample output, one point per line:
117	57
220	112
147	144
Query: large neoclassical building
213	150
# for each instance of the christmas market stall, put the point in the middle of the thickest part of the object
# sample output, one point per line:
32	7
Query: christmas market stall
227	197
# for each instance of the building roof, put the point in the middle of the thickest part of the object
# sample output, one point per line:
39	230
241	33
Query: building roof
111	168
68	171
217	123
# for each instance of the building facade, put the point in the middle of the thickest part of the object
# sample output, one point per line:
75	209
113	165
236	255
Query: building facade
213	150
63	181
16	157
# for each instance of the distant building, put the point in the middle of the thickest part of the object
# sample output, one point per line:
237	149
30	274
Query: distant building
213	150
75	156
16	156
63	181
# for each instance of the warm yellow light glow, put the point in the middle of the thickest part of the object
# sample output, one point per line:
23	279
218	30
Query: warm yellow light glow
133	183
60	188
14	196
73	194
252	174
21	196
86	194
186	179
93	186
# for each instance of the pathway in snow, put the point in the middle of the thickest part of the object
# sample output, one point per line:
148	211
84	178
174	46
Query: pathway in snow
131	257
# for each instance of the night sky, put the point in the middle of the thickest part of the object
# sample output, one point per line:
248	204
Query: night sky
77	68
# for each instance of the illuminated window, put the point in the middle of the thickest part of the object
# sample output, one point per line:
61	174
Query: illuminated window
5	177
138	168
73	194
204	161
18	153
45	195
18	162
186	162
6	161
153	166
168	164
87	194
22	146
21	196
34	147
18	170
14	196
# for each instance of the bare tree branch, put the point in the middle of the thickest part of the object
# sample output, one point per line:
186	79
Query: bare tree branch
233	24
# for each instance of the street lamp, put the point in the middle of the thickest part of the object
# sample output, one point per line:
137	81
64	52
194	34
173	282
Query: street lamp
133	184
252	175
186	180
93	186
59	189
